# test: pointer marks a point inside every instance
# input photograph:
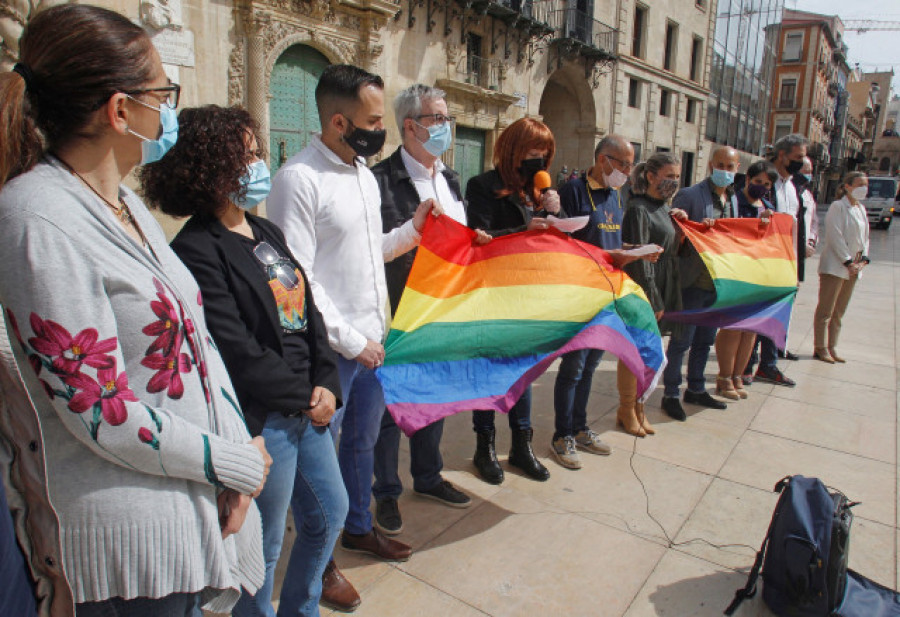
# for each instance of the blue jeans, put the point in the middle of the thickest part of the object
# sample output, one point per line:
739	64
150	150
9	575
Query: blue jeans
360	422
766	353
16	593
572	390
305	475
174	605
519	415
699	339
425	462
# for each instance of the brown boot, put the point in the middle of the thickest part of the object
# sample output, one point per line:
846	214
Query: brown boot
626	416
642	418
337	592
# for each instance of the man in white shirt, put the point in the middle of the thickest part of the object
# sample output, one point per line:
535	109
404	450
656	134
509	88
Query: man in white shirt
412	174
327	203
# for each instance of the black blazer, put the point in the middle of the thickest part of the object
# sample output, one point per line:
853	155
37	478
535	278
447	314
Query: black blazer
399	200
498	216
801	226
242	316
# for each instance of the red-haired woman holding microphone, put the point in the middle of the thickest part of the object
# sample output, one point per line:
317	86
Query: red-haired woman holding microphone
507	199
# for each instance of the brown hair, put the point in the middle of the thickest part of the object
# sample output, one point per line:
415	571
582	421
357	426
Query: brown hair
654	164
75	57
203	170
513	144
848	179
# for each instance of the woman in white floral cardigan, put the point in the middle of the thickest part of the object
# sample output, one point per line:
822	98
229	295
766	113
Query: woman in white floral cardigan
131	429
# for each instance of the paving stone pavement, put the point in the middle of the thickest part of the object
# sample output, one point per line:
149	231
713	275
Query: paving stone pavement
582	543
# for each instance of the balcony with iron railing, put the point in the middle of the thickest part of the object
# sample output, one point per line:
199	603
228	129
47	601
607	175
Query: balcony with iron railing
485	73
579	31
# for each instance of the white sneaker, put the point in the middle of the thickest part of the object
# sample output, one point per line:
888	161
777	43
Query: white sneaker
590	441
565	454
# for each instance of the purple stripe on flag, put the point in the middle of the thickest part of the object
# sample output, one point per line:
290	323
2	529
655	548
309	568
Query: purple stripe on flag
411	417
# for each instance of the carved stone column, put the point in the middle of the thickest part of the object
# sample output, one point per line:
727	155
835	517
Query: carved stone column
257	91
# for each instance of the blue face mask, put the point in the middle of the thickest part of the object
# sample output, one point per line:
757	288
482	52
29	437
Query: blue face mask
439	138
722	178
154	149
258	183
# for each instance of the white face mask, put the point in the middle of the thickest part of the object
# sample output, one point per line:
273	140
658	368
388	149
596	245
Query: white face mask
859	193
616	179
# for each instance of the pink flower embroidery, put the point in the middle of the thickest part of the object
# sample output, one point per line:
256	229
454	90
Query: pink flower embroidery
70	352
167	324
168	370
15	326
199	298
110	390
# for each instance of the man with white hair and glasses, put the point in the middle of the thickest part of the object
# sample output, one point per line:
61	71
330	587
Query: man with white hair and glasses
413	174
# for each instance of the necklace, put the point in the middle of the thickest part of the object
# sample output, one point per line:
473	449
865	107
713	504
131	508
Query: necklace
122	212
593	207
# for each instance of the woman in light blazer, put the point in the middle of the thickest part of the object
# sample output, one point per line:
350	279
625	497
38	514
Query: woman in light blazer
844	256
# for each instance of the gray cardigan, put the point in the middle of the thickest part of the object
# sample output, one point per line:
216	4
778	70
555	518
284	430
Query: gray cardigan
139	425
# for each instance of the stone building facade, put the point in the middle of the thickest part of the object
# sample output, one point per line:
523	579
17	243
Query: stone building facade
640	68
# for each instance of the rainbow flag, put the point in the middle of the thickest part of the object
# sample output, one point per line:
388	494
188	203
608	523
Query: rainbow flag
754	269
477	324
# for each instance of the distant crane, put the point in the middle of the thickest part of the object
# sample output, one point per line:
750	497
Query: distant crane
866	25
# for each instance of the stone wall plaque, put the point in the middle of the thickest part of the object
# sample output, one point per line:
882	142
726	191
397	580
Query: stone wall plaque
175	46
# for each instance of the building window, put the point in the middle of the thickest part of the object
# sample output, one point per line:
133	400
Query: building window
634	93
788	92
687	168
640	25
637	152
474	61
671	46
793	47
783	127
665	97
691	113
696	58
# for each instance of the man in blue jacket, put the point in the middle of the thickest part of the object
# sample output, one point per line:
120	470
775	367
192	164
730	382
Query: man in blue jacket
704	202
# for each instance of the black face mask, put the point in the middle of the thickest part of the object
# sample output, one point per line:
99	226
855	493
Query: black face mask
794	167
532	166
365	142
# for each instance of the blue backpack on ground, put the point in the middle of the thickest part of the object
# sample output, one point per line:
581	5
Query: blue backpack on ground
804	559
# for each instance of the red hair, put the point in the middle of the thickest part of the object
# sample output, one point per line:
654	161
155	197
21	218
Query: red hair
511	148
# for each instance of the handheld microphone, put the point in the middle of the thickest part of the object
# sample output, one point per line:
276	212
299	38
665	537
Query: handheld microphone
542	181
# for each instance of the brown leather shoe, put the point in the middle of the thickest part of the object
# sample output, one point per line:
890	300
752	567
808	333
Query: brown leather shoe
337	592
376	543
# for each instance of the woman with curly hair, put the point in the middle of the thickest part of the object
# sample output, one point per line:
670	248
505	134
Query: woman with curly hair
504	201
262	317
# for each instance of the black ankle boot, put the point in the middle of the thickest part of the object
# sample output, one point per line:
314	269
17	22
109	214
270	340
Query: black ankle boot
486	457
522	456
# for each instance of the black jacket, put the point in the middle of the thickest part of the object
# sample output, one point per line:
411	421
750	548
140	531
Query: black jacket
399	200
242	316
498	216
801	226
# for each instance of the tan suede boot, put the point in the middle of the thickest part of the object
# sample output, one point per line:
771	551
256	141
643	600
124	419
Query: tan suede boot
626	416
642	418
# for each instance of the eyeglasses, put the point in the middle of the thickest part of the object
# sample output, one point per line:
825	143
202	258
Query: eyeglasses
276	265
438	118
172	97
625	165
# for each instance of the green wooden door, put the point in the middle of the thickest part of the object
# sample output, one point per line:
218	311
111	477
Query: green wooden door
293	117
468	154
